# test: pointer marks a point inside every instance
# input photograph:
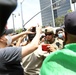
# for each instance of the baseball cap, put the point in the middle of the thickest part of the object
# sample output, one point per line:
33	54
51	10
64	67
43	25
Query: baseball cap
6	8
49	29
7	31
70	23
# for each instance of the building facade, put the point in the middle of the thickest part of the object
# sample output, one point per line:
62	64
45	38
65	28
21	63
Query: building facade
54	9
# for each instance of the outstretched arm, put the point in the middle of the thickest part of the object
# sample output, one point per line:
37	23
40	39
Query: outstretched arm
34	43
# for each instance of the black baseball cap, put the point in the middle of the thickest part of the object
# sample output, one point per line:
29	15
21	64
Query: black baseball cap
6	8
70	23
7	31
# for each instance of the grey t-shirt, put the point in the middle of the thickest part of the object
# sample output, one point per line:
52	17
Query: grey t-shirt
10	59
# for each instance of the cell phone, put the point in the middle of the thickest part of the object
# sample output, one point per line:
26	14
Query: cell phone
33	29
44	47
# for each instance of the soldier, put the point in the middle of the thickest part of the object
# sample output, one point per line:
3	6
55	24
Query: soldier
32	63
50	39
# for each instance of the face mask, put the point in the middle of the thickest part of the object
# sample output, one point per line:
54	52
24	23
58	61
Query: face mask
60	35
9	39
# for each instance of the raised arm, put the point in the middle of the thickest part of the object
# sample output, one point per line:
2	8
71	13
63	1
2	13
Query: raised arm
15	37
34	43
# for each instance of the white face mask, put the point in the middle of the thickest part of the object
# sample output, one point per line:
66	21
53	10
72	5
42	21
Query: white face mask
9	39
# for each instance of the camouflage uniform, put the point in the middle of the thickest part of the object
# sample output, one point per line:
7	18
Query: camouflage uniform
58	44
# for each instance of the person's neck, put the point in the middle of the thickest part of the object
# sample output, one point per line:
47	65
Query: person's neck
2	45
69	42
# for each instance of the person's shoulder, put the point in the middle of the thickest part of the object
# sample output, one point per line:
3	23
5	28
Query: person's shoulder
58	40
10	49
13	48
61	41
56	53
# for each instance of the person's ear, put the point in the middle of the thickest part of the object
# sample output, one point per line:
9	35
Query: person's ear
1	40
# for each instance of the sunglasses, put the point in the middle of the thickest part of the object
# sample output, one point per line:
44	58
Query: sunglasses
48	34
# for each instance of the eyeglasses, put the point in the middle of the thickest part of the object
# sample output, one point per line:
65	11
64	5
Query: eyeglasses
48	34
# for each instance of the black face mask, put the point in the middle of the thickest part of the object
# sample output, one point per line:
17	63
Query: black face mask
65	39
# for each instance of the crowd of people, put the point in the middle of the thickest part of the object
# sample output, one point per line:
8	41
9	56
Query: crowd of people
37	51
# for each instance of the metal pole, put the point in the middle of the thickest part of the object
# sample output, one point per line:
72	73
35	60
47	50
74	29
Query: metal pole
40	12
74	6
22	1
36	14
13	22
52	14
21	14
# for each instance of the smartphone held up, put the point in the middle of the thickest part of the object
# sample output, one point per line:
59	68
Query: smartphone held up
33	29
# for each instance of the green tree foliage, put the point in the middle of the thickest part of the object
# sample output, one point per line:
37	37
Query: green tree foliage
69	11
19	30
59	21
43	26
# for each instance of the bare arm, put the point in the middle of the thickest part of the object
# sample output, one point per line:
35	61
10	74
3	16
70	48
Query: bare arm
34	43
15	37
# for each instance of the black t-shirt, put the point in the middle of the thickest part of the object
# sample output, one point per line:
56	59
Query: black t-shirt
10	59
